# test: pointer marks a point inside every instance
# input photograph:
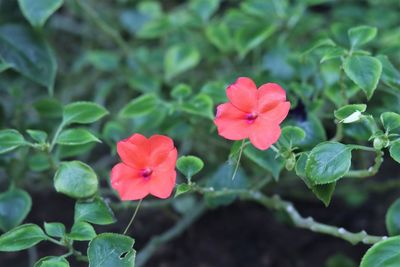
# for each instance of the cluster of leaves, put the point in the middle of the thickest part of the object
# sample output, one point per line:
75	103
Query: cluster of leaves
162	67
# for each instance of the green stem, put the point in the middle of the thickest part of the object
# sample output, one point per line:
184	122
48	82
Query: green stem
238	160
133	217
275	149
371	171
55	241
365	148
55	137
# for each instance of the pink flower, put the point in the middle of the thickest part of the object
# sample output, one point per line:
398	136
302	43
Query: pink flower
251	113
148	167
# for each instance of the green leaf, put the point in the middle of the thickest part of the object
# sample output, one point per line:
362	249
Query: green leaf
37	135
181	91
82	231
141	105
346	111
220	36
364	71
54	229
83	112
266	159
323	192
10	139
200	105
248	38
21	237
76	179
393	218
291	136
390	75
325	42
182	189
204	8
96	212
15	205
48	107
332	53
395	151
52	261
103	60
180	58
189	165
39	161
328	162
390	120
361	35
27	53
38	11
385	253
114	250
72	137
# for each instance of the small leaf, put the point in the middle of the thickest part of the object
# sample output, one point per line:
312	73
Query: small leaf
48	107
22	237
265	159
200	105
76	179
395	151
361	35
10	139
332	53
364	71
141	105
248	38
95	212
180	58
220	36
346	111
189	165
291	136
182	189
26	52
38	11
82	231
393	218
15	205
37	135
83	112
110	249
390	120
328	162
72	137
54	229
181	91
204	8
390	75
52	261
326	42
385	253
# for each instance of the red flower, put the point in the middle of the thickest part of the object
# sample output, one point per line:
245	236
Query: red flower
148	167
252	113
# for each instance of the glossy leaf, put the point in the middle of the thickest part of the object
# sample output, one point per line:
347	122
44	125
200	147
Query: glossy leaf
189	165
95	212
390	120
385	253
361	35
364	71
27	53
182	189
76	137
110	249
390	75
141	105
393	218
395	151
82	231
54	229
10	139
38	11
37	135
328	162
22	237
346	111
76	179
83	112
291	136
15	205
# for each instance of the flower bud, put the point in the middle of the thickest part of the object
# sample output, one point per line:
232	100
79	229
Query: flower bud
381	142
290	162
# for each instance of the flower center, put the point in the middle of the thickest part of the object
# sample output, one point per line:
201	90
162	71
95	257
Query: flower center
146	173
251	117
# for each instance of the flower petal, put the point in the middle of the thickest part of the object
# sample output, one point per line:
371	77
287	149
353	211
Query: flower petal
264	134
231	122
243	94
162	183
168	163
128	182
277	114
134	151
269	95
160	146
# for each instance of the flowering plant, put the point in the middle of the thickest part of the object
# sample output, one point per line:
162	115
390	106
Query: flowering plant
130	125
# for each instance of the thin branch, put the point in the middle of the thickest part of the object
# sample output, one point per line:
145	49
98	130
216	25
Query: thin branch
371	171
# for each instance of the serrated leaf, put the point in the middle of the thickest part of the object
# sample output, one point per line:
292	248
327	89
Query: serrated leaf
21	237
364	71
328	162
110	249
76	179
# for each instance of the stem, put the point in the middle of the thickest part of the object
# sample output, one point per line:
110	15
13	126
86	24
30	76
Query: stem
371	171
238	160
365	148
133	217
151	247
274	148
58	131
55	241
